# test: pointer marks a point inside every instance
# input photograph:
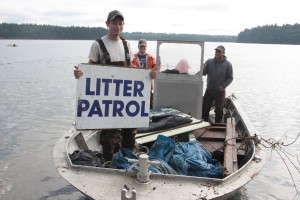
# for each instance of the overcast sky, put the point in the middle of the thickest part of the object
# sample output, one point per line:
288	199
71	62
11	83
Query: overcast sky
212	17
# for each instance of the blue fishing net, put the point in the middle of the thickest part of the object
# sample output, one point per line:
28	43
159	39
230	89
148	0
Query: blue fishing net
184	158
121	162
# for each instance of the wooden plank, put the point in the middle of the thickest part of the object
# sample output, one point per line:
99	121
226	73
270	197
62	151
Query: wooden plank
212	139
219	125
208	133
217	128
230	154
81	142
168	133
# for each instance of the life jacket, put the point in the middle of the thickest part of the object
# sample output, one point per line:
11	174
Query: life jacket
107	56
150	61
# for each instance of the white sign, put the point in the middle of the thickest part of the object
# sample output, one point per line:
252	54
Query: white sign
112	97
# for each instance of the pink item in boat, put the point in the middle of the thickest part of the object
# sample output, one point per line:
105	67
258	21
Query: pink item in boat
183	66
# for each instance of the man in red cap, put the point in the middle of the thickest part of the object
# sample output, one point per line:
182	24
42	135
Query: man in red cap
142	59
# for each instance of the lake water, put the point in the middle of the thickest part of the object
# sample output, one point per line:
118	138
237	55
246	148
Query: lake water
37	106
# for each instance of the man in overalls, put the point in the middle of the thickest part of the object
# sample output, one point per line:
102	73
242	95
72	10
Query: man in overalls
112	49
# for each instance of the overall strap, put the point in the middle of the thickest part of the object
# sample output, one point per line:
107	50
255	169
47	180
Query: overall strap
106	54
104	50
127	56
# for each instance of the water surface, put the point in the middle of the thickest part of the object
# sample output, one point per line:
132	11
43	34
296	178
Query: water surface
37	100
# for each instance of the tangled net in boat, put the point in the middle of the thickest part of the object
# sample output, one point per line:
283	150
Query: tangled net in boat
279	147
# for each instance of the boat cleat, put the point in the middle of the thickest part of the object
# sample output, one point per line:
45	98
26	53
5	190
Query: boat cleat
126	197
143	175
257	158
257	139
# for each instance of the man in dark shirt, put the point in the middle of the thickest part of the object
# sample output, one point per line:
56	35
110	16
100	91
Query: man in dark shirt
219	75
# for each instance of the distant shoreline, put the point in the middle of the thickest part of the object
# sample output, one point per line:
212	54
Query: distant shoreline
269	34
49	32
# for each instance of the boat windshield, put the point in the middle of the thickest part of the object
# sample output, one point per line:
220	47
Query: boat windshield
183	58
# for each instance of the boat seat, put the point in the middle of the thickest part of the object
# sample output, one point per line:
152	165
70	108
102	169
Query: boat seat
230	151
212	137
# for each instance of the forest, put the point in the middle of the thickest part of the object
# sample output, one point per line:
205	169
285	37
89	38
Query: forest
268	34
34	31
271	34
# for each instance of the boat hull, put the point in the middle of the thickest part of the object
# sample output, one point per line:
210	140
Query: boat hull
104	183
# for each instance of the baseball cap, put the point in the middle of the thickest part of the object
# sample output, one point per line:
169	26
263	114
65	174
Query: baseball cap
221	48
113	14
142	42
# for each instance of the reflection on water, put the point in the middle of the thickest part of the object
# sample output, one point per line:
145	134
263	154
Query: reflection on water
65	191
37	99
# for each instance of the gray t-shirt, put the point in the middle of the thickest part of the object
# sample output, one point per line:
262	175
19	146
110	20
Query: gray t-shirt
114	48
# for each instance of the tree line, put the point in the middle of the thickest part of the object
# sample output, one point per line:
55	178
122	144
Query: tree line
34	31
271	34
